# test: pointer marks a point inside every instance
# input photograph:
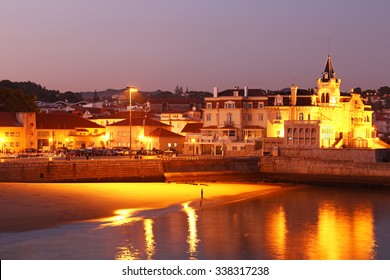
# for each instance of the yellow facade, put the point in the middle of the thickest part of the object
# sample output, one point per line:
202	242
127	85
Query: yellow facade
331	120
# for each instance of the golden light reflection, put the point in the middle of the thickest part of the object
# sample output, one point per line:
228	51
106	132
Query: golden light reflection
342	234
277	232
363	234
149	239
127	252
192	238
122	216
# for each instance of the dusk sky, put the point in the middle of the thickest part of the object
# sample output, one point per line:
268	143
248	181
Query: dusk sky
83	45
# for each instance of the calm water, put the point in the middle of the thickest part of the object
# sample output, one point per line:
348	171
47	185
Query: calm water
297	223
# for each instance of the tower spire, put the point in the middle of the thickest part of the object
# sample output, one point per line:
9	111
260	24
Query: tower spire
328	71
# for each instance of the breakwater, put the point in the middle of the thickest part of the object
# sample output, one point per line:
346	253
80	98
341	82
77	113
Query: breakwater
268	168
331	170
126	170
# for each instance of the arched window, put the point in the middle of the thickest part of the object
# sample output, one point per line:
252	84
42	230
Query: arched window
300	116
327	98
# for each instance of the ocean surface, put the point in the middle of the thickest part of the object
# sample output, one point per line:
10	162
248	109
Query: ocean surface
300	222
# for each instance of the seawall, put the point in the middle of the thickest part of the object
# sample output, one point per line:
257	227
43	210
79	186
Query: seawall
267	168
104	170
292	169
125	170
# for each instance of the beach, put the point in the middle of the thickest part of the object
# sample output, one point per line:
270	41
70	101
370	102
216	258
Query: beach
26	206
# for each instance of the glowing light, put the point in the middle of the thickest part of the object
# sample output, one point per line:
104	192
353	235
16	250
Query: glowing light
192	238
149	238
342	234
122	216
277	232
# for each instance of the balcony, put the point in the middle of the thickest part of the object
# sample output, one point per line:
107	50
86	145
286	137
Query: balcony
228	123
308	122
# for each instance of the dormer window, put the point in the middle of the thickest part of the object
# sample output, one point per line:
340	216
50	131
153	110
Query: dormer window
209	105
249	105
230	105
261	105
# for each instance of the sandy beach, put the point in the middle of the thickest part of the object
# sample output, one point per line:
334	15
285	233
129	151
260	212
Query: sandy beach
33	206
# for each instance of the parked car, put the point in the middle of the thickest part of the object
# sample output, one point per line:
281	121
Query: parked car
30	152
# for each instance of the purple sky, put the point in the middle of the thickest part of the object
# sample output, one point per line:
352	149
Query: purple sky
83	45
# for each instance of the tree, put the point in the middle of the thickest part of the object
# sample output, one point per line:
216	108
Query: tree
95	97
383	91
178	90
14	100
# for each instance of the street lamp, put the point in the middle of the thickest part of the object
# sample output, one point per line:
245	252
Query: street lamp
131	90
2	145
50	144
193	146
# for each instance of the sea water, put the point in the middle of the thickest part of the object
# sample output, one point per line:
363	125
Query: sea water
300	222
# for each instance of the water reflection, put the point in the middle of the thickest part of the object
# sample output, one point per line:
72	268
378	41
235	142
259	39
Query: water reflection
149	239
192	238
342	233
276	234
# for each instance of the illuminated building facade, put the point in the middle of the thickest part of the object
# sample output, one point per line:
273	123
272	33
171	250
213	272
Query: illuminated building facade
322	119
233	122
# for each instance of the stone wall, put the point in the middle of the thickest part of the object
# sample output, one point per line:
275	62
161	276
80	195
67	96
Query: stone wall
325	171
355	155
124	170
79	171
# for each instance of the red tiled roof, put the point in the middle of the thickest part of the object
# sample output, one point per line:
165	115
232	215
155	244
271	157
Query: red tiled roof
63	121
8	119
173	101
124	115
254	127
161	132
139	122
192	127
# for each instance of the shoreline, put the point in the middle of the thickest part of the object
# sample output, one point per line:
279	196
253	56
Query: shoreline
30	206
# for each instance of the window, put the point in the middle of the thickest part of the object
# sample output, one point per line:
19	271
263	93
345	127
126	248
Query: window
249	105
261	117
232	133
208	117
12	134
278	116
229	119
230	105
261	105
6	134
209	105
249	117
300	116
234	148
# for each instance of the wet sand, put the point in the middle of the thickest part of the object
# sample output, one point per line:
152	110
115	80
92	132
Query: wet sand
33	206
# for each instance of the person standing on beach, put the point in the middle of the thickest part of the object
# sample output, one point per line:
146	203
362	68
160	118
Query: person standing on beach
201	193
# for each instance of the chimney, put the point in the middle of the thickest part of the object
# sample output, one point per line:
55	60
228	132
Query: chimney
245	91
215	91
294	91
236	91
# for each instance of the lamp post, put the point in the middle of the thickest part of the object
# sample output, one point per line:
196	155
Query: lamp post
193	146
131	90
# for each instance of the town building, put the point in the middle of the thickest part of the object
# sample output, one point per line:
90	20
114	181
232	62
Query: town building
233	123
55	131
179	119
323	119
